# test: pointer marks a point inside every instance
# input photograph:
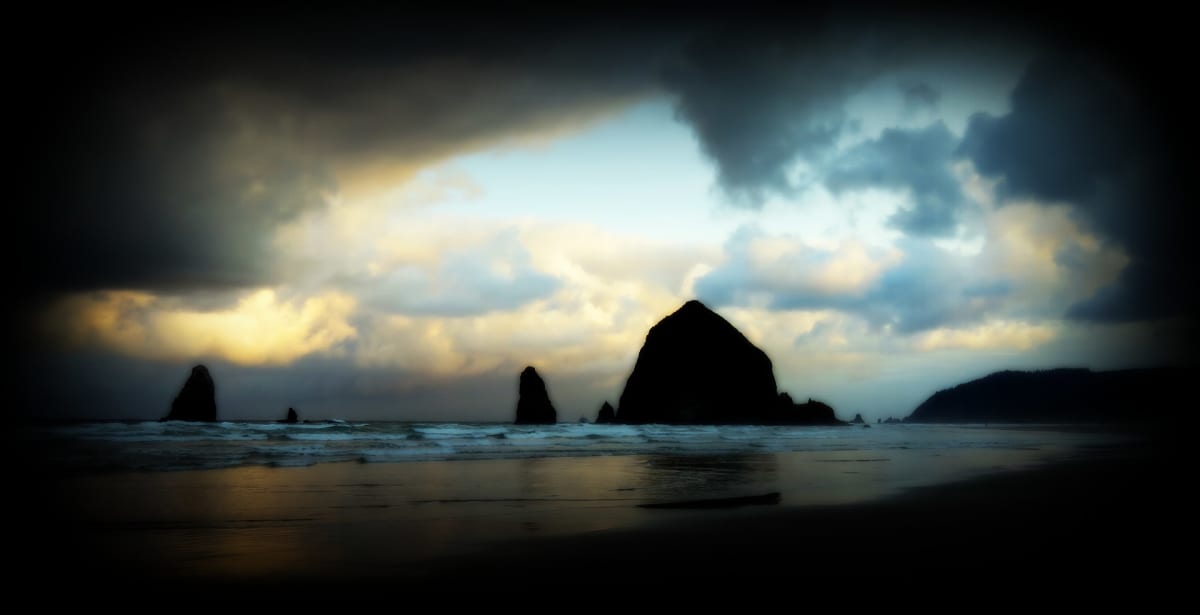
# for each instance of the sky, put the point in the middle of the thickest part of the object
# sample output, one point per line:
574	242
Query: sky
387	216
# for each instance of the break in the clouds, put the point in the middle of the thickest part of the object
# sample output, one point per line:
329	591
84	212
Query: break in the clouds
495	274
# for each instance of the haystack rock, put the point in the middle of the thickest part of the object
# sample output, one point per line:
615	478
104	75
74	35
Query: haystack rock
533	405
606	415
292	417
197	401
695	367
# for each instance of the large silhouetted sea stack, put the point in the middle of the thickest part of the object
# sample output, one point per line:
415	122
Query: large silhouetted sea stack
1061	395
533	405
695	367
197	401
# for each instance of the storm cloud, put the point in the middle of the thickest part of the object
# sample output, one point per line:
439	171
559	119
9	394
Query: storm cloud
757	108
763	100
915	161
919	96
166	157
1084	133
1095	127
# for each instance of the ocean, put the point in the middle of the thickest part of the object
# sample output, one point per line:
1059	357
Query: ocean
178	445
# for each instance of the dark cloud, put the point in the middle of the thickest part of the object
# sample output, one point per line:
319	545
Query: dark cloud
1146	289
919	96
1073	128
164	156
757	108
1092	135
916	161
178	194
763	99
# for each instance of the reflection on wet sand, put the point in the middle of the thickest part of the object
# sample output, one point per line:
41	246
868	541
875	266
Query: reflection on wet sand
673	477
361	520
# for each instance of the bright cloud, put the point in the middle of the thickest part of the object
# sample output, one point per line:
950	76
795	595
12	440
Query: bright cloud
593	322
261	329
1024	261
993	335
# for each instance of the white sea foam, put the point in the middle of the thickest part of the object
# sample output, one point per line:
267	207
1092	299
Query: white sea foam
185	445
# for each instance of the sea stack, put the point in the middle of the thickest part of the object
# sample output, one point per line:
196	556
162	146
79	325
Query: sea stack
695	367
292	417
197	401
607	414
533	403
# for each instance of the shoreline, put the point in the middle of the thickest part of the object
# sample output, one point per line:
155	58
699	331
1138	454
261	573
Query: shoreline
91	447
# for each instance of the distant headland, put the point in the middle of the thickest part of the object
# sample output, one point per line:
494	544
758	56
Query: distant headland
1061	395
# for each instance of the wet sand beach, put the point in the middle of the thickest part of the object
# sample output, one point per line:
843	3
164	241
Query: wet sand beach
1104	511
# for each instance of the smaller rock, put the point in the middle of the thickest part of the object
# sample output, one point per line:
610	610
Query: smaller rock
197	401
292	417
858	420
607	414
533	403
